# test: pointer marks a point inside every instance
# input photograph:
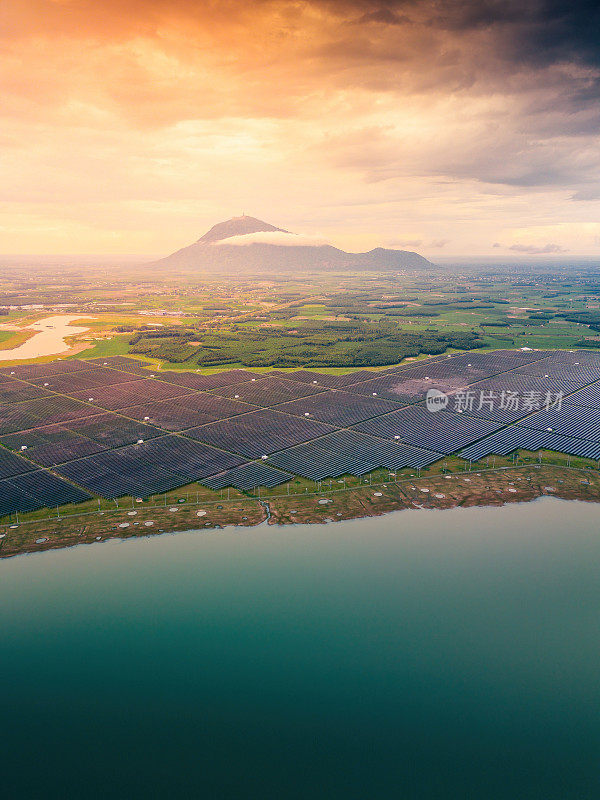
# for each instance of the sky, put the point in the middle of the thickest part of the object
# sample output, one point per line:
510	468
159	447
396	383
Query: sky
450	127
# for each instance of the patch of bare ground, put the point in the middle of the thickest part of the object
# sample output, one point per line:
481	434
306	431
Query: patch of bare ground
485	488
124	524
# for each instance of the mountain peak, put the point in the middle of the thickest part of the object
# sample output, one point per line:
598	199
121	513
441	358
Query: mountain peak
282	253
237	226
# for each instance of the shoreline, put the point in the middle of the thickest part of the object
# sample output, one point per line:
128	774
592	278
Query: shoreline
497	487
47	338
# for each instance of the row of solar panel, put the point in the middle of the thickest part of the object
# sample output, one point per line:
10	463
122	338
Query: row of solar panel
349	452
320	451
56	444
518	437
145	469
441	432
37	489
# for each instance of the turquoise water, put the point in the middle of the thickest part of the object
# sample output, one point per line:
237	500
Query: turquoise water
429	654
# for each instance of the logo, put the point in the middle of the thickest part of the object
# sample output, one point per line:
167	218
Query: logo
436	400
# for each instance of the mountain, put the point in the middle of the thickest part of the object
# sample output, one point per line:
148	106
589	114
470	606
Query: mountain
237	226
246	244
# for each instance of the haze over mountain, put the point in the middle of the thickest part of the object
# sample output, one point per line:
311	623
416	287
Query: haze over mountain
249	244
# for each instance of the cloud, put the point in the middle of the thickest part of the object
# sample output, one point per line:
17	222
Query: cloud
383	16
404	243
274	237
144	118
439	243
536	250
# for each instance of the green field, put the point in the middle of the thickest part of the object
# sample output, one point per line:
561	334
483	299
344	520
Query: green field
327	321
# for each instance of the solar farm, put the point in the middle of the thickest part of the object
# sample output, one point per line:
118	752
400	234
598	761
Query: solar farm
73	430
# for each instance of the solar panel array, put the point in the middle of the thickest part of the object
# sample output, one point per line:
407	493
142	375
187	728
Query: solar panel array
37	489
518	437
248	476
145	469
259	433
207	382
83	379
35	413
15	391
442	432
588	397
56	444
339	408
322	379
349	452
188	411
130	365
11	465
268	391
581	423
131	393
29	372
119	426
404	388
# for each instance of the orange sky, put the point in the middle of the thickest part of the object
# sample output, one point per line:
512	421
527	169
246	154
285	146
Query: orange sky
446	127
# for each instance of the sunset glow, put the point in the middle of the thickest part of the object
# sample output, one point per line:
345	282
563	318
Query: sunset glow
451	128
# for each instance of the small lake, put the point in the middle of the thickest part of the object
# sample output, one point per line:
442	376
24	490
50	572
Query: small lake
49	339
420	655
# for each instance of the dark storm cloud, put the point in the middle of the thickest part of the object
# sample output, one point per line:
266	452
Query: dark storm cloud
534	31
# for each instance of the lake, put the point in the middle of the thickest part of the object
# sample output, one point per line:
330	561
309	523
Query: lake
49	339
422	654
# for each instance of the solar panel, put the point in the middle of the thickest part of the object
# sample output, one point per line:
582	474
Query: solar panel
349	452
83	380
268	391
150	468
11	464
259	433
207	382
131	365
518	437
37	489
248	476
29	371
188	411
14	391
123	395
339	408
37	413
441	431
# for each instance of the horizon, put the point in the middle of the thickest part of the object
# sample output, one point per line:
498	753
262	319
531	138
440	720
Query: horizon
523	256
449	130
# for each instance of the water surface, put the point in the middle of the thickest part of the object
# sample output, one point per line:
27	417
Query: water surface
431	654
49	339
